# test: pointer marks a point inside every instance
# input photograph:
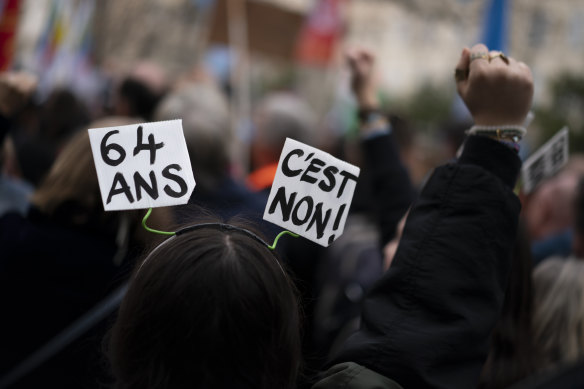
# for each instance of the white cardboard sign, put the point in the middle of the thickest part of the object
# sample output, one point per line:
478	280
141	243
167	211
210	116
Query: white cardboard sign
546	161
311	193
142	165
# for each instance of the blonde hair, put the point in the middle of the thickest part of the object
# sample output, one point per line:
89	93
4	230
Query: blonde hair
559	311
73	177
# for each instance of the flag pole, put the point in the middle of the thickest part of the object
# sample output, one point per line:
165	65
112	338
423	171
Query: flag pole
240	81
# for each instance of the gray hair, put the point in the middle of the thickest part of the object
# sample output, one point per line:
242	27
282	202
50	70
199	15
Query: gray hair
559	310
206	124
283	115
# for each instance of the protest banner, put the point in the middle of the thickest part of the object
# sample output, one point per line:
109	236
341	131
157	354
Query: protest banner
546	161
142	165
311	193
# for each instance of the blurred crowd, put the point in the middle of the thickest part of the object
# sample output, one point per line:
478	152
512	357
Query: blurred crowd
516	320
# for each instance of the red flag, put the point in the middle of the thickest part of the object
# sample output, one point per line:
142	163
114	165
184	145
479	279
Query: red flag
8	24
321	33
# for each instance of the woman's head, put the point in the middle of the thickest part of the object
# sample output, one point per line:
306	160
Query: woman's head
559	310
73	178
70	194
208	308
205	119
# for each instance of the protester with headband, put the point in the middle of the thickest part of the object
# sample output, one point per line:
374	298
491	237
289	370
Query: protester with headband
211	306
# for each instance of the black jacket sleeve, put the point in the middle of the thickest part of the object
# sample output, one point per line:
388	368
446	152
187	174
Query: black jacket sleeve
391	185
426	323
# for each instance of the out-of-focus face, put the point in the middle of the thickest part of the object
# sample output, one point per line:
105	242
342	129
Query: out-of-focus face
578	244
390	248
549	210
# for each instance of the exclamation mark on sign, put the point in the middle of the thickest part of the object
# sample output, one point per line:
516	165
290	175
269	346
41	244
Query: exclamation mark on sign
337	222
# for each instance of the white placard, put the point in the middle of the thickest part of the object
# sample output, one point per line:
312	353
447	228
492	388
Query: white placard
142	165
546	161
311	193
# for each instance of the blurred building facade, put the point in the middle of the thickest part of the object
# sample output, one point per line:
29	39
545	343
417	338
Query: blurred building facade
417	41
549	36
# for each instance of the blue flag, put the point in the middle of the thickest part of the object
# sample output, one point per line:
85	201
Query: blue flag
495	25
494	36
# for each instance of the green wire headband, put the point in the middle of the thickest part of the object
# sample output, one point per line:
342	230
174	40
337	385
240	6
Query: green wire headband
219	226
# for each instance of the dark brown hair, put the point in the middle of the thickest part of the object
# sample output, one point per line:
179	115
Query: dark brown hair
511	355
210	308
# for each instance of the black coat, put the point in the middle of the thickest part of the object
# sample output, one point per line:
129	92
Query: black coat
386	183
426	322
51	273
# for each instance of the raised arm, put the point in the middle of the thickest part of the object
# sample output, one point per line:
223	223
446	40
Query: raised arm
391	186
426	323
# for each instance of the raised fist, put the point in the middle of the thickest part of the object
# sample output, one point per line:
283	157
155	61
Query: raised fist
496	89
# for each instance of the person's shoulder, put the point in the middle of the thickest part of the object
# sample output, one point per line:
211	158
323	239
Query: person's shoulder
12	220
564	376
14	195
350	375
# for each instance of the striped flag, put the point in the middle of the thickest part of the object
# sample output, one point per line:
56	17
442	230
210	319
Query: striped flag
321	33
9	13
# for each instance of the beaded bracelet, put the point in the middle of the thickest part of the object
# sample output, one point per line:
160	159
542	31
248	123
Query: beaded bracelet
510	133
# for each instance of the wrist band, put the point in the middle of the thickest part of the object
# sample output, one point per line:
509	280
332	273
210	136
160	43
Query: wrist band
506	132
364	113
375	125
510	136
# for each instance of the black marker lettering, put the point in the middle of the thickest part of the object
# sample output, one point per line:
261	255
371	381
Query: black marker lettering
151	146
337	222
347	176
314	167
285	205
124	188
285	169
318	219
329	172
309	205
178	179
105	149
339	215
140	183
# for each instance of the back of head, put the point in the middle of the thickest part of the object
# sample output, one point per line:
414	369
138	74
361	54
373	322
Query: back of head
283	115
61	115
209	308
136	99
71	185
206	124
59	118
559	310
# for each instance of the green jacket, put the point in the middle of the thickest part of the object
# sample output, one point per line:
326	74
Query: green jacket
349	375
